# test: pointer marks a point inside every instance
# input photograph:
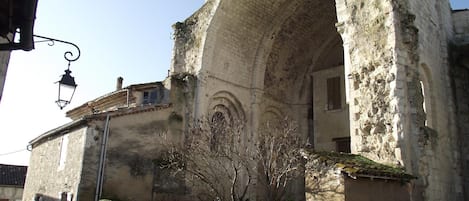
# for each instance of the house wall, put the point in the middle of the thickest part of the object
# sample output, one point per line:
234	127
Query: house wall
328	124
11	193
365	189
48	175
134	144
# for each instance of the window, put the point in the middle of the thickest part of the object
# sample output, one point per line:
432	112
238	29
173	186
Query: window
149	97
342	144
218	126
333	93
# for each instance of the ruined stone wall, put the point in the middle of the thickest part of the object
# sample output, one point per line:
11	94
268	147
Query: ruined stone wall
401	107
189	39
368	33
395	58
46	175
430	103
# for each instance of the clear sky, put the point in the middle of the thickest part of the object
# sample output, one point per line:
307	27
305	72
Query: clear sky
131	39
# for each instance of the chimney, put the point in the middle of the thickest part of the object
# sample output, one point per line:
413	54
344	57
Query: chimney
119	83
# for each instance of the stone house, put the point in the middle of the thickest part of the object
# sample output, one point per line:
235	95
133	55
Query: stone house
12	179
107	151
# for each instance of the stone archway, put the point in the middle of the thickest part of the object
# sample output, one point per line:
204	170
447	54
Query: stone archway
274	54
267	54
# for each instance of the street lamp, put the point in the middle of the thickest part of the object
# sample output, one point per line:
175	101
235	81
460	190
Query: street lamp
67	88
67	83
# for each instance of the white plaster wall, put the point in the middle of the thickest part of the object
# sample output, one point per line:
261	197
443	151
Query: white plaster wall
329	124
11	193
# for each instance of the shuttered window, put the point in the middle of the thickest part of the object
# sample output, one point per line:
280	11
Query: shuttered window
333	94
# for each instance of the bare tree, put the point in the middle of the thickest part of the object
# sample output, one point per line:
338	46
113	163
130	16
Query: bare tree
221	160
279	155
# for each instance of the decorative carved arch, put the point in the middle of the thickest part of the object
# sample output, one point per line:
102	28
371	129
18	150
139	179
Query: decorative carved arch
226	103
272	113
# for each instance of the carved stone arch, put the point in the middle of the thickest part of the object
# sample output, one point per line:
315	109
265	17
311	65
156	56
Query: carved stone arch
226	103
225	115
272	113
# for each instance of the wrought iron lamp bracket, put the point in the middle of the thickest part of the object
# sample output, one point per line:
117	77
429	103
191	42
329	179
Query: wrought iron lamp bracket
68	55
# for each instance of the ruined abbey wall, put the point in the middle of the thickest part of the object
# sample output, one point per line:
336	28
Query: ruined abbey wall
255	59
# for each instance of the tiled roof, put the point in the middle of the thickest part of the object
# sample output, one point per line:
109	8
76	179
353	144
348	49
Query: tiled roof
12	175
356	165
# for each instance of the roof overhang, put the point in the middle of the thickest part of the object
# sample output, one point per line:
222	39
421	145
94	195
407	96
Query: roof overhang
17	15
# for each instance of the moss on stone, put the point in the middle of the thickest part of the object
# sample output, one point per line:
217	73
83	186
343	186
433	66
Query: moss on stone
353	164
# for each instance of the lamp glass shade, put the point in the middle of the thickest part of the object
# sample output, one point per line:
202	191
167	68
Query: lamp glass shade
67	88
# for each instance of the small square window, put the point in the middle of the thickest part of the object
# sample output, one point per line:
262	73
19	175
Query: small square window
149	97
342	144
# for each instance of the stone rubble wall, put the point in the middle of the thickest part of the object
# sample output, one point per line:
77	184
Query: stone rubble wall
323	182
367	29
394	47
45	176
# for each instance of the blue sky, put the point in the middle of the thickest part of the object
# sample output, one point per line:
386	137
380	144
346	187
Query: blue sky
131	39
117	38
459	4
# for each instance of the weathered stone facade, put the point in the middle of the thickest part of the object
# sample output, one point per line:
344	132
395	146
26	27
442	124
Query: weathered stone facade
119	143
47	176
403	101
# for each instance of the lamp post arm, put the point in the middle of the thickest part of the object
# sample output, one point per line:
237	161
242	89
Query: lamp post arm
68	55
